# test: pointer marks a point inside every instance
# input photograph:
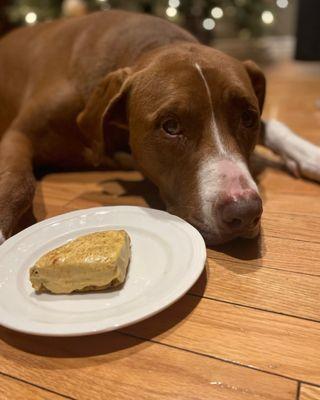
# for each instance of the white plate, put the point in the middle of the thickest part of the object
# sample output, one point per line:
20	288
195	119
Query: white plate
168	256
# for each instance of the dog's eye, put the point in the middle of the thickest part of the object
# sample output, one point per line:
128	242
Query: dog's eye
171	126
249	119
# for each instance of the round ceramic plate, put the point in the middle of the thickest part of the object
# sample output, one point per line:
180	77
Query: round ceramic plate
168	256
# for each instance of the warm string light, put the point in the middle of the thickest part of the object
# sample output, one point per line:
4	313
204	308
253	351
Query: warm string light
171	12
174	3
31	18
208	24
267	17
104	4
217	12
282	3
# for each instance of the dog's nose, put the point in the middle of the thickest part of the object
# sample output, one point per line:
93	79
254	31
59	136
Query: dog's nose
240	213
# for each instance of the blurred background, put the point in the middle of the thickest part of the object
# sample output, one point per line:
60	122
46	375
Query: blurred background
265	30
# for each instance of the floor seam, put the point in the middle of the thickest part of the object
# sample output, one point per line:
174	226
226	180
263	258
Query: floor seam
253	308
36	385
219	359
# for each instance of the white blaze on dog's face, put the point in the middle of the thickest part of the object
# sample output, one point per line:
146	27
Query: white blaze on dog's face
225	177
193	126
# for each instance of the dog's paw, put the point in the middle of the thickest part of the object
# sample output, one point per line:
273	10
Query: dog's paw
301	157
311	169
306	166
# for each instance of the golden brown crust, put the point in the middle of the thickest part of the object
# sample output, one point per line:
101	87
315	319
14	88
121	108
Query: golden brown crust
93	262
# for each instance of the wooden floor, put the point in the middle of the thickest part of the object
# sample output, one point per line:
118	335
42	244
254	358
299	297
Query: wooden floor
248	329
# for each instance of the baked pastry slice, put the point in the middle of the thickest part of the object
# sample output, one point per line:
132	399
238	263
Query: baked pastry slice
91	262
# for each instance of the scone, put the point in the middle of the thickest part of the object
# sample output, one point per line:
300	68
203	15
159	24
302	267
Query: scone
91	262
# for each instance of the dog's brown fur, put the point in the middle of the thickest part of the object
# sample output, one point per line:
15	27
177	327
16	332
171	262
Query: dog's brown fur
71	89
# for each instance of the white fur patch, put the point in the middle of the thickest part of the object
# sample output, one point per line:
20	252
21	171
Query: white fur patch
2	238
301	157
213	125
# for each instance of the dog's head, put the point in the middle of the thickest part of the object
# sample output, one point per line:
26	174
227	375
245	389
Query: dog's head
194	118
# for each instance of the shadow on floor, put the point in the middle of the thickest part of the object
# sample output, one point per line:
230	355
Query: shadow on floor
242	249
143	188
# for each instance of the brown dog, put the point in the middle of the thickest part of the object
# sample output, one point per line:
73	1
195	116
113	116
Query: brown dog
74	93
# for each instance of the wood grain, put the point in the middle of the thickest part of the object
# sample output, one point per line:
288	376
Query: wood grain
274	252
308	392
275	181
12	389
58	190
274	290
240	335
292	226
114	366
292	204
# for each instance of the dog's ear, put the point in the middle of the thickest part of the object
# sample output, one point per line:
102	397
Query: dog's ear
258	81
106	105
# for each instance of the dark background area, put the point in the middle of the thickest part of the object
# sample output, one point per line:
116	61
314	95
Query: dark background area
266	30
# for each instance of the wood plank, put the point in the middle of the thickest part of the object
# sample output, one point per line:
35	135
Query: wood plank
308	392
49	211
276	181
56	194
93	178
113	365
292	226
273	252
284	82
264	288
97	199
12	389
58	189
269	342
291	204
49	199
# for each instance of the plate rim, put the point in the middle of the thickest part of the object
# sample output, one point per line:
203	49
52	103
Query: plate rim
167	301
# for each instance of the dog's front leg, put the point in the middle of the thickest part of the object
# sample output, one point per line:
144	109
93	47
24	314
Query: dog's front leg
301	157
17	182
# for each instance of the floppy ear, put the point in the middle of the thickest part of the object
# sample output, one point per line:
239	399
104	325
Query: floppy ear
106	104
258	81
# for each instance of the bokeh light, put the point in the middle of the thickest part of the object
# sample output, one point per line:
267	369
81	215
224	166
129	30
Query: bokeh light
217	12
171	12
208	24
282	3
31	18
267	17
174	3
